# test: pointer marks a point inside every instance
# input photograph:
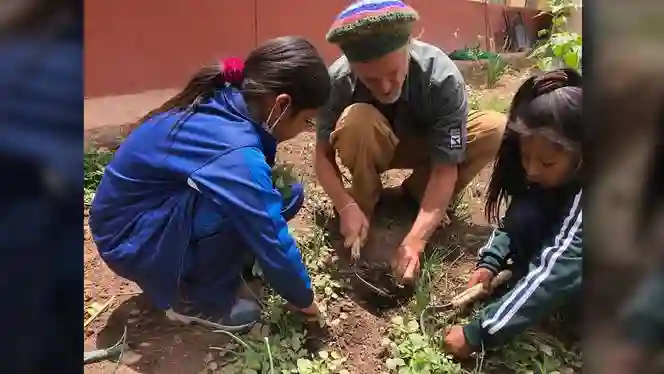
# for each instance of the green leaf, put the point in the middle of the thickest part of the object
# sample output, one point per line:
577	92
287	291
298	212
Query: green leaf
545	63
572	59
540	50
559	21
546	349
404	370
397	320
560	8
418	341
394	363
303	366
557	50
412	326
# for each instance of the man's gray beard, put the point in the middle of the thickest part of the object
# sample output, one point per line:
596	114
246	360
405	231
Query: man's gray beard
390	100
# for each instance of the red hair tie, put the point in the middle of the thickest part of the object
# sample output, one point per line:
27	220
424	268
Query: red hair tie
232	70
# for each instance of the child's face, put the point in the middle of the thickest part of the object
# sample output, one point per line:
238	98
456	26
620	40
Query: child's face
291	127
546	163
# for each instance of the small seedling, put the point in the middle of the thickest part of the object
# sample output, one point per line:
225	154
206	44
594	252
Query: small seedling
496	68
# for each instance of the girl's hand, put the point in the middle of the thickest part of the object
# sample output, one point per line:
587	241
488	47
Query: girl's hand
456	344
483	276
311	312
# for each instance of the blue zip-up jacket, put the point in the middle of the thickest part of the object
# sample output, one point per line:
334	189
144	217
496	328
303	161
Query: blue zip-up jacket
194	200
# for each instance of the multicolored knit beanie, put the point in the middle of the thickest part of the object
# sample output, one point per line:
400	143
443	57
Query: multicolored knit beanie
370	29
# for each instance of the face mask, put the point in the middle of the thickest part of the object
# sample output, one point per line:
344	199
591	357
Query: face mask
270	128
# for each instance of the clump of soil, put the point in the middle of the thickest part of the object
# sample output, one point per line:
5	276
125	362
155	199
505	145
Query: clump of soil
377	286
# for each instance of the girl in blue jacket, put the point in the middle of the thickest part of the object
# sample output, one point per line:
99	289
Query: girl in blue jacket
540	238
188	204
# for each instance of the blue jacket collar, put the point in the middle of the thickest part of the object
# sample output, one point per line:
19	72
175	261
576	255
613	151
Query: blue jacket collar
230	99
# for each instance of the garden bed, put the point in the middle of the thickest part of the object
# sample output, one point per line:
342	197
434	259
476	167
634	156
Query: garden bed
358	336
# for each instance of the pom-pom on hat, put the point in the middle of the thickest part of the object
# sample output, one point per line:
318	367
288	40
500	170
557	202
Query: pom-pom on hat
370	29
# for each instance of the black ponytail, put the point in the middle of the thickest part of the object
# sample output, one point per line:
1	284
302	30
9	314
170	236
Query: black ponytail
285	65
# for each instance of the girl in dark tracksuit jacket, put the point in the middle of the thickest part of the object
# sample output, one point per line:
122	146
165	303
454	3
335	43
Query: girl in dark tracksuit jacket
539	238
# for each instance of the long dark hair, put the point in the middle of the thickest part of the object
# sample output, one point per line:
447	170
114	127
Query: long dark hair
652	201
550	100
285	65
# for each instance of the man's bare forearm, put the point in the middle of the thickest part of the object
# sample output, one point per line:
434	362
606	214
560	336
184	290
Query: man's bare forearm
437	195
329	176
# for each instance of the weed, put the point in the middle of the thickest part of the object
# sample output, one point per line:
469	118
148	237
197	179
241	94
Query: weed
430	266
94	163
411	352
535	351
496	68
316	252
263	351
460	205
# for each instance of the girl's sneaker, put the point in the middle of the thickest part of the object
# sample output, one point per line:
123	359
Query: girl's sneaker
244	314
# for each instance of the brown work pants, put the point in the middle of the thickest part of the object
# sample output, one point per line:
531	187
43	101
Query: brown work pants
367	147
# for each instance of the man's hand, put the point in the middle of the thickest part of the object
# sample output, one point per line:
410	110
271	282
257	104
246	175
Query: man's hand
455	342
481	275
406	266
354	227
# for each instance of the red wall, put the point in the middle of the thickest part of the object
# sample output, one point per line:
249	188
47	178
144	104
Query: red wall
133	46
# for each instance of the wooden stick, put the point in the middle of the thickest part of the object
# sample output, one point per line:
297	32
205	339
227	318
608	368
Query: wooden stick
98	312
472	294
121	294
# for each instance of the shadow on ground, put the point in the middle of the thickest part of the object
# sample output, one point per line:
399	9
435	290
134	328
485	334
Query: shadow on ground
156	345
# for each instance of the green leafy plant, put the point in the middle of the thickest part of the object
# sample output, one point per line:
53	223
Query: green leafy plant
264	352
535	351
283	177
430	267
561	47
316	251
411	352
94	163
496	67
